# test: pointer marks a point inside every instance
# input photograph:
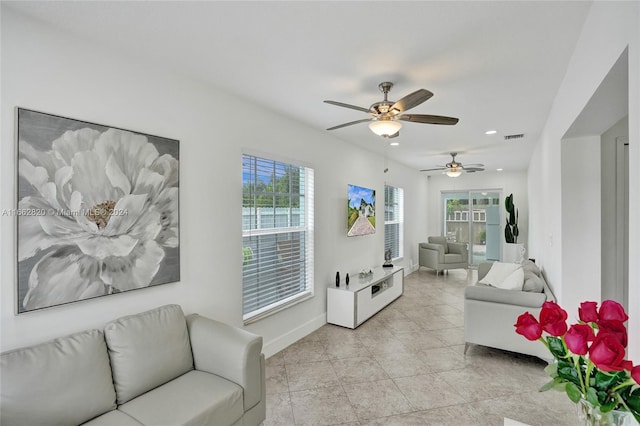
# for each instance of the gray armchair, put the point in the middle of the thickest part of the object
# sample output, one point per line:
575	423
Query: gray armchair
442	255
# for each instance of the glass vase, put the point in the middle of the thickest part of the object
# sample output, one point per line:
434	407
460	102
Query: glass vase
590	415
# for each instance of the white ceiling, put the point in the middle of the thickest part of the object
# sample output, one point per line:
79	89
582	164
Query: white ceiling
494	65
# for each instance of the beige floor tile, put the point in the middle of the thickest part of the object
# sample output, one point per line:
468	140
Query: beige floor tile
348	349
279	411
357	370
466	414
307	351
428	391
377	399
311	375
442	359
323	406
276	378
413	419
419	341
402	364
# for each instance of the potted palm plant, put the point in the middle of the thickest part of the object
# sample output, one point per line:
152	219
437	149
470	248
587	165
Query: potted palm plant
513	251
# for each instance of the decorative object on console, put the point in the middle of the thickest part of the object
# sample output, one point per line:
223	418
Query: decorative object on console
98	210
346	279
589	360
364	273
338	279
387	259
361	211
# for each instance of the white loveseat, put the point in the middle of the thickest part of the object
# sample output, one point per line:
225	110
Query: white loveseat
490	313
153	368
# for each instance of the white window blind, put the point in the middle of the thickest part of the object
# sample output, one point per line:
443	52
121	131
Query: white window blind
277	235
394	220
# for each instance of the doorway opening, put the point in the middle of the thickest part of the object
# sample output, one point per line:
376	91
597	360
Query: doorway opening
474	218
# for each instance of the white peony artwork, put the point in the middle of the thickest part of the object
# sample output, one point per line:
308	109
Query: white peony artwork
97	210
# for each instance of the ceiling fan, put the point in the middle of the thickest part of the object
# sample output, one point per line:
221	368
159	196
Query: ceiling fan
454	169
386	115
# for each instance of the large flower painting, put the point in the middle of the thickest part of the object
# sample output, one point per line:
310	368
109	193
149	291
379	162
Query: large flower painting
97	210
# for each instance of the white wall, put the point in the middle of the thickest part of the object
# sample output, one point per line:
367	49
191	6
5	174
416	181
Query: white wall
609	28
508	182
610	274
53	72
581	221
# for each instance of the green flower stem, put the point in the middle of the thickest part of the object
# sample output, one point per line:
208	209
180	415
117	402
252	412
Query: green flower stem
576	362
628	382
590	366
624	404
542	339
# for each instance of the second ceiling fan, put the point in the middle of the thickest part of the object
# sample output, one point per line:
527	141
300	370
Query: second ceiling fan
455	169
386	114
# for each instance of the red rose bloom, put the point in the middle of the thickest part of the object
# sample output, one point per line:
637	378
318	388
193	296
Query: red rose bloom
615	328
588	312
612	310
528	326
607	353
635	374
577	338
553	319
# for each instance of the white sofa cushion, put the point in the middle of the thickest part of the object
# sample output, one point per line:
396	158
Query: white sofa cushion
113	418
148	350
67	380
195	398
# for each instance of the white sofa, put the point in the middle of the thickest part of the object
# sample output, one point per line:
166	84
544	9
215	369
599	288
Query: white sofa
153	368
490	313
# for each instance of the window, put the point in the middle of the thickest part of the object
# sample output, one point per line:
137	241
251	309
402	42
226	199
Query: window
277	235
393	220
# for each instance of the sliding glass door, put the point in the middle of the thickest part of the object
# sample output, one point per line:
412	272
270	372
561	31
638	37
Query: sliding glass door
473	217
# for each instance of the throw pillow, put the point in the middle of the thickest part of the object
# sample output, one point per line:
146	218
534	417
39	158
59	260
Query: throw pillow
513	281
532	267
532	282
498	272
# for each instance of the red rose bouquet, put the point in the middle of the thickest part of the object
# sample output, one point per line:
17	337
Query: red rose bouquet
590	355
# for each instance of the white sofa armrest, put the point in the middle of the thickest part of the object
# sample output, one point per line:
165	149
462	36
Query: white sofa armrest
229	352
434	252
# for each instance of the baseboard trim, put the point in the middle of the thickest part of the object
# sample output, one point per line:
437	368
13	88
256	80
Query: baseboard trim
281	342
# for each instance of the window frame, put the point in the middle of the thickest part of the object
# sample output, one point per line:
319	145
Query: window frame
397	208
253	229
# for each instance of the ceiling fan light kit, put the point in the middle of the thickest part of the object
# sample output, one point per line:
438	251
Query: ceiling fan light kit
385	128
454	173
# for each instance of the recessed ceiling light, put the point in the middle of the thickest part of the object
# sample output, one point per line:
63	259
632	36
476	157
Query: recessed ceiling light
498	170
490	132
394	143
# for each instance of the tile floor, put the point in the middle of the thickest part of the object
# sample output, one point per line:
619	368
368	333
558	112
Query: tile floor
405	366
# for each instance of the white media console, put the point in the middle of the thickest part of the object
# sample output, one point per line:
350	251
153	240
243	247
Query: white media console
351	305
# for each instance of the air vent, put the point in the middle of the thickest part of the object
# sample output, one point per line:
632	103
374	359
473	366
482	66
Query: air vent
512	137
